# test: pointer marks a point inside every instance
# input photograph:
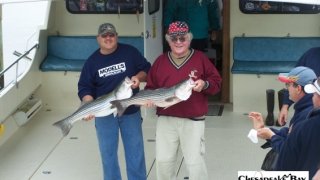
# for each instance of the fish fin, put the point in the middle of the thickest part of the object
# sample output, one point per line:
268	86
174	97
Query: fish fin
64	125
170	99
120	106
115	113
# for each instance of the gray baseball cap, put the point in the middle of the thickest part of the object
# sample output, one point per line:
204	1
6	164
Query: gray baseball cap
106	28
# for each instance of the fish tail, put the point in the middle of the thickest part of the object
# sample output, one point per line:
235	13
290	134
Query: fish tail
121	107
64	125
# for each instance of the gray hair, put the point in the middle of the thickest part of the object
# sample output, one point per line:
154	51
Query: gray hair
189	37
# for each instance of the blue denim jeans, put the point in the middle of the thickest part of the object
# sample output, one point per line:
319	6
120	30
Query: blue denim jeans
108	137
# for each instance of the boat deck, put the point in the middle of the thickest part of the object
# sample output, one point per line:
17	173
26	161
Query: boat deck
37	151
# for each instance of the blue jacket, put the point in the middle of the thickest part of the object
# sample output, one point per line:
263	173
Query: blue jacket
200	17
301	110
101	74
310	59
301	151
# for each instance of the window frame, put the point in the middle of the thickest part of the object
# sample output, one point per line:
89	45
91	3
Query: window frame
73	6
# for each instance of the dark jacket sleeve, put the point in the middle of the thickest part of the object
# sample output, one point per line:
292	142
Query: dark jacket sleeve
279	138
86	83
141	62
289	154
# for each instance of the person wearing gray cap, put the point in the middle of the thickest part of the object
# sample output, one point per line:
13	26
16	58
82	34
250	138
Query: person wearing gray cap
301	151
295	81
101	74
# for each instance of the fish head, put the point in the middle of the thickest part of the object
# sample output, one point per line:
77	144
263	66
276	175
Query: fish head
183	90
124	91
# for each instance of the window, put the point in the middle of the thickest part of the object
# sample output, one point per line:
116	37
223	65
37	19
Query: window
104	6
268	7
153	6
19	37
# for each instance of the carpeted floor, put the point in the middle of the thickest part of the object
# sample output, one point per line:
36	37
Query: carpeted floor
215	110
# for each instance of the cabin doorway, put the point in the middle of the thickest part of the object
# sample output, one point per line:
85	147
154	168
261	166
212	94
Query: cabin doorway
217	51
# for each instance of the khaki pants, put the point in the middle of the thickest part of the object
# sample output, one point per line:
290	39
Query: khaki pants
172	132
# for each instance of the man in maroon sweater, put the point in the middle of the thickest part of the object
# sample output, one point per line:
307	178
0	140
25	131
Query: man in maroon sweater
182	124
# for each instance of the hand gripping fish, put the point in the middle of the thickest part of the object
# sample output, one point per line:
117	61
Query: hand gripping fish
99	107
162	97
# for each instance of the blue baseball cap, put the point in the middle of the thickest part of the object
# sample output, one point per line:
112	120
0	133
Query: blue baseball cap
300	75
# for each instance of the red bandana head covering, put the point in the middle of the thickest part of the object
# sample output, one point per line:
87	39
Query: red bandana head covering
178	28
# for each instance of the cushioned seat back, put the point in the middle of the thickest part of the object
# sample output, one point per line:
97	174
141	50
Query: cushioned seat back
269	54
68	47
68	53
272	48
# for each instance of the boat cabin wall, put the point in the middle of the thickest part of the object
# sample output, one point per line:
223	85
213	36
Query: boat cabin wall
63	22
59	89
248	91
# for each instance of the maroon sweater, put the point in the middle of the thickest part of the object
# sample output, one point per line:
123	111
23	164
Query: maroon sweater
165	73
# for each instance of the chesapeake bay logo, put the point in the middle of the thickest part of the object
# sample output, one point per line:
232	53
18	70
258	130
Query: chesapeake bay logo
112	70
273	175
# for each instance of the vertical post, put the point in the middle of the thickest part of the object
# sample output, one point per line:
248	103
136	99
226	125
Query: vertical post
270	107
280	101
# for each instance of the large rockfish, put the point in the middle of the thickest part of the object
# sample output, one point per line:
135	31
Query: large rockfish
162	97
99	107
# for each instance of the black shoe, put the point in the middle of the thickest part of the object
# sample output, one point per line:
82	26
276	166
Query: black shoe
270	120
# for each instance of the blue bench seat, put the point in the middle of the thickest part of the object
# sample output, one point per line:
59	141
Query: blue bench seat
269	55
69	53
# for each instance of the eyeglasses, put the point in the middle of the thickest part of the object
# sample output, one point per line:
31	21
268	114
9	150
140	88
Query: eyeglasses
110	35
181	39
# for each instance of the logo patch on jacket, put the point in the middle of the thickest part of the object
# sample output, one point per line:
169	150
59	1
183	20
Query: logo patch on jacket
112	70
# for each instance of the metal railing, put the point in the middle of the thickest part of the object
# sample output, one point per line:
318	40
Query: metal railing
16	62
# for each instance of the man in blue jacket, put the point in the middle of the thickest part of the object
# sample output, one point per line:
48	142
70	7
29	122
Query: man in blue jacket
295	81
309	59
301	150
100	75
202	16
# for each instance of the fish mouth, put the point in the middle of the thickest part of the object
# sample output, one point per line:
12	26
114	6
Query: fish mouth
128	81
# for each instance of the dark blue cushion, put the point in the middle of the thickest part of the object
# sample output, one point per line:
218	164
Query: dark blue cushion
72	48
68	53
53	63
262	67
256	55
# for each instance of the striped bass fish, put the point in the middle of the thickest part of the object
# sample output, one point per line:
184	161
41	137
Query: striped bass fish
98	107
162	97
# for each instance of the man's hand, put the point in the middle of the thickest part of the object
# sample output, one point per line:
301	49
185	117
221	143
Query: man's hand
199	85
89	117
283	115
317	175
86	99
149	104
136	82
265	133
257	120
